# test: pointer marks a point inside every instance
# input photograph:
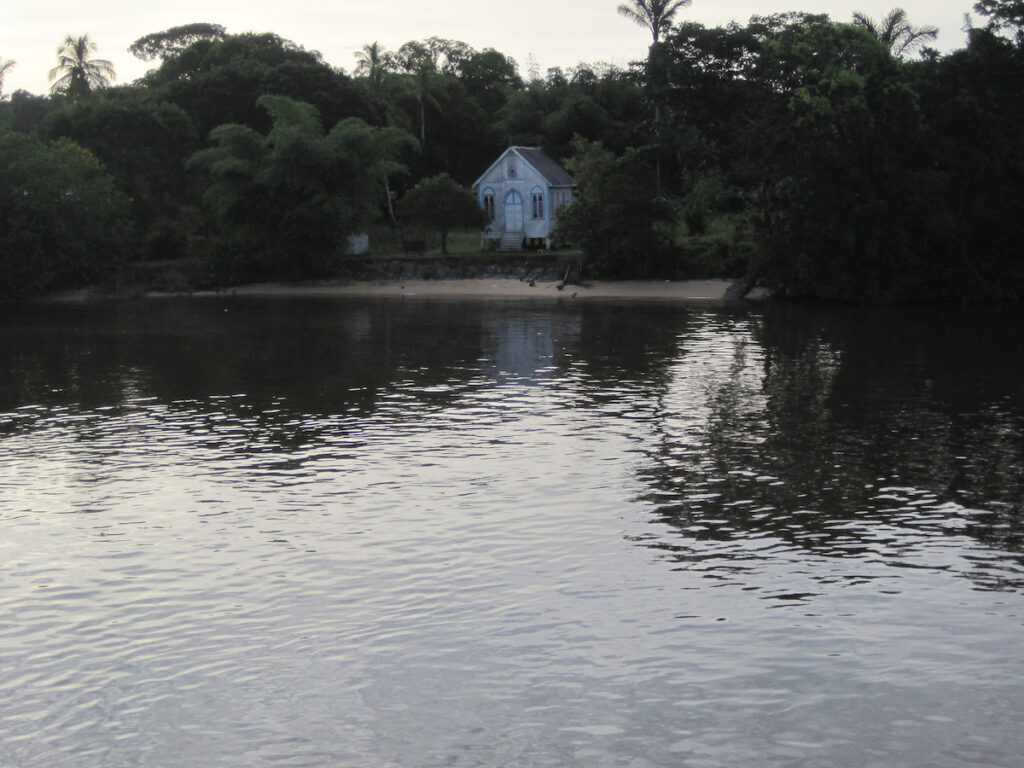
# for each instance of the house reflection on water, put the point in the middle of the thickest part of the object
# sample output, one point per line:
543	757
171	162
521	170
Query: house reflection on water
526	346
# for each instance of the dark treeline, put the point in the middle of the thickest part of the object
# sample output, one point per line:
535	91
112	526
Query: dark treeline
825	159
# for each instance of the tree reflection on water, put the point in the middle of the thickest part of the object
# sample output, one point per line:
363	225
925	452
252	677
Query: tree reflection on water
838	431
847	432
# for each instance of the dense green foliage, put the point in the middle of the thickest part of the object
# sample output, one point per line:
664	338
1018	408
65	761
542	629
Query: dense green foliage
152	174
283	203
872	179
62	221
623	228
836	160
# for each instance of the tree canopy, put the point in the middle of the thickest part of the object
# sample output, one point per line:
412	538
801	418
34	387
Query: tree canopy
1003	13
170	42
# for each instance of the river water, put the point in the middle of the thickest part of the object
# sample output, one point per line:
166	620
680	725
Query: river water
483	533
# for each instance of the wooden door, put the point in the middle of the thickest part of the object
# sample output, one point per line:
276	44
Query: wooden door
513	212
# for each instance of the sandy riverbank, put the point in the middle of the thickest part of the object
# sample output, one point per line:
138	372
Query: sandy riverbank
685	290
699	291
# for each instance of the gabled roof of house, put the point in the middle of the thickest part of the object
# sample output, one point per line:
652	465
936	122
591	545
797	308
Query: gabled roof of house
549	168
544	164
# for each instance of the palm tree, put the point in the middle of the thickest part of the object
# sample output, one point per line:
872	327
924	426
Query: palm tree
77	73
895	31
373	66
5	67
371	62
423	82
656	15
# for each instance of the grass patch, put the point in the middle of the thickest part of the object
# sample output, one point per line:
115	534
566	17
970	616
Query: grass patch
459	244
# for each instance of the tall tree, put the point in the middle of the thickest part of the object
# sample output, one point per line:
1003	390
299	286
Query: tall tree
372	70
426	66
77	74
423	91
489	76
1003	13
896	31
373	74
161	45
655	15
5	67
444	55
371	62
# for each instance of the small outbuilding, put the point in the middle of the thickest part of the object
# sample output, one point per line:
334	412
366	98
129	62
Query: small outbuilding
522	192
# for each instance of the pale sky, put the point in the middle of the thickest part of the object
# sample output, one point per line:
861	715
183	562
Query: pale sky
556	32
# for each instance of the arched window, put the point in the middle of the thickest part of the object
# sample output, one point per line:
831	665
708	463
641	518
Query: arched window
537	202
489	203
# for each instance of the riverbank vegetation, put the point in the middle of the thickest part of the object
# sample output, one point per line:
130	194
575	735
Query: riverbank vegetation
823	158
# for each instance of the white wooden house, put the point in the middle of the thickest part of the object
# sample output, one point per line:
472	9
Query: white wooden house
522	192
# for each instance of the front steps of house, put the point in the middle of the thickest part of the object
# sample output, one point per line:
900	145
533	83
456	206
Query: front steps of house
511	241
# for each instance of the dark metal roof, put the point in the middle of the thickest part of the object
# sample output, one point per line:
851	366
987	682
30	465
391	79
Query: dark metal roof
556	175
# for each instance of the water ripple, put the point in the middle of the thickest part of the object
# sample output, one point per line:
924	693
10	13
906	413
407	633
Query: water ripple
565	537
